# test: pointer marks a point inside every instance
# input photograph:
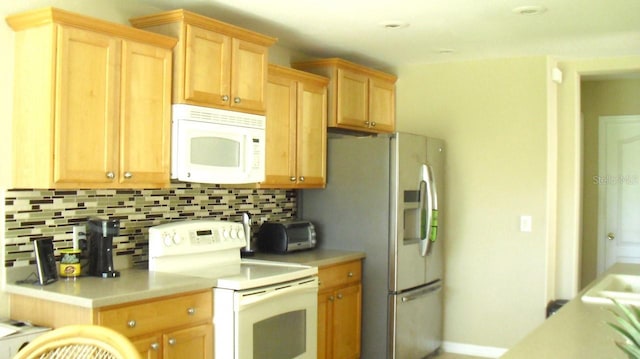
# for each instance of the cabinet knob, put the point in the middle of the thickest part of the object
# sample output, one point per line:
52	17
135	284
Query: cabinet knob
339	295
611	236
128	175
292	178
155	346
225	98
111	175
350	274
131	324
331	298
236	100
172	341
191	311
373	124
301	178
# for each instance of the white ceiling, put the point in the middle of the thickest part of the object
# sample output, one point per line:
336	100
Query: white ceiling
471	29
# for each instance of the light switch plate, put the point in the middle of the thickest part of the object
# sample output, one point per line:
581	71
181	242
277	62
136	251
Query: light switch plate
525	223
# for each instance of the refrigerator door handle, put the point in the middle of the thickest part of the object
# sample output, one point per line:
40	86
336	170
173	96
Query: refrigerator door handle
426	209
421	293
434	210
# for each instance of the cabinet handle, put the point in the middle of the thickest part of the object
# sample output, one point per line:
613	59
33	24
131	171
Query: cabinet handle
111	175
172	341
350	274
155	346
128	175
131	324
331	298
292	178
373	124
339	295
236	100
225	98
191	311
301	178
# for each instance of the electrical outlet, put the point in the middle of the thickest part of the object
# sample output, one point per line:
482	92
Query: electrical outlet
525	223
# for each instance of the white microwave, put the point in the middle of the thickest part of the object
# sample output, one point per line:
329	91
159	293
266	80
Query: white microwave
217	146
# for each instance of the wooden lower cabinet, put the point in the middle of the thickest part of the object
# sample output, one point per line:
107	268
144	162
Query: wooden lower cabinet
171	327
340	311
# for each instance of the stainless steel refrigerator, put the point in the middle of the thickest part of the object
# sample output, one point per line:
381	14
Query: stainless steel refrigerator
383	197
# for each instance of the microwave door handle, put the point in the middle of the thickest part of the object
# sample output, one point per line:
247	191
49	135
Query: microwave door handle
426	209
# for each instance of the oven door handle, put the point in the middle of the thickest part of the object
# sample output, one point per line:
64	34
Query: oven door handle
248	300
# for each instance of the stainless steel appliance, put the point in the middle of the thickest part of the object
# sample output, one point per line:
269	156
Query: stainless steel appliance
99	248
217	146
284	237
382	198
262	309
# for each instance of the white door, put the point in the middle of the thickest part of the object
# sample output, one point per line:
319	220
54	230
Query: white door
618	183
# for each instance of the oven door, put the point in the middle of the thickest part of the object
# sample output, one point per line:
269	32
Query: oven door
275	322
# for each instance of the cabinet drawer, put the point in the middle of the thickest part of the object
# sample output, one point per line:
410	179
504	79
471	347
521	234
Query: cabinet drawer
340	274
151	316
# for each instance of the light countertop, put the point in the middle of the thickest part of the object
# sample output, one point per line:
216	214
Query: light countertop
95	292
140	284
577	330
318	257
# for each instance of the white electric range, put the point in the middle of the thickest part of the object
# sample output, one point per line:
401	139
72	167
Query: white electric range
262	309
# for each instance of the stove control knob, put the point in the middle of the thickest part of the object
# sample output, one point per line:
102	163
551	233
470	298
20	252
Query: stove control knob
177	239
166	237
225	234
233	233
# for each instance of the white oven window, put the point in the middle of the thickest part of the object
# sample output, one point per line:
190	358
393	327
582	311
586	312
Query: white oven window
280	336
215	151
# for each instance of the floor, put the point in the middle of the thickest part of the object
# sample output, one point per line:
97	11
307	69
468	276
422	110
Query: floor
455	356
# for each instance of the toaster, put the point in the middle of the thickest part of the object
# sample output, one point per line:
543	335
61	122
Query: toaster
285	237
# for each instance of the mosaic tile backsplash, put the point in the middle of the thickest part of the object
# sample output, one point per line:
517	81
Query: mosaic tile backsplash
35	214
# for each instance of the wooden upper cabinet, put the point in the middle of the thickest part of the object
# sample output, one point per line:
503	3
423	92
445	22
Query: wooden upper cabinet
207	70
216	64
86	111
145	129
296	132
360	98
91	103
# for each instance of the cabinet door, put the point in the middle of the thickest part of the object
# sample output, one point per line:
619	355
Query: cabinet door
249	76
145	115
382	105
148	347
207	67
194	342
346	322
325	309
280	132
311	135
352	100
87	83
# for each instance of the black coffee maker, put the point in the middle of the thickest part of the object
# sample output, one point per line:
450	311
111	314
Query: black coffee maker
99	247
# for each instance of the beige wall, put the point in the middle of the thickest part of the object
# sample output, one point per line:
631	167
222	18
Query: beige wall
493	115
599	98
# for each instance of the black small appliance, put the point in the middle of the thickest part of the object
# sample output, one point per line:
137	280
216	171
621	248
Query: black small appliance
99	247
